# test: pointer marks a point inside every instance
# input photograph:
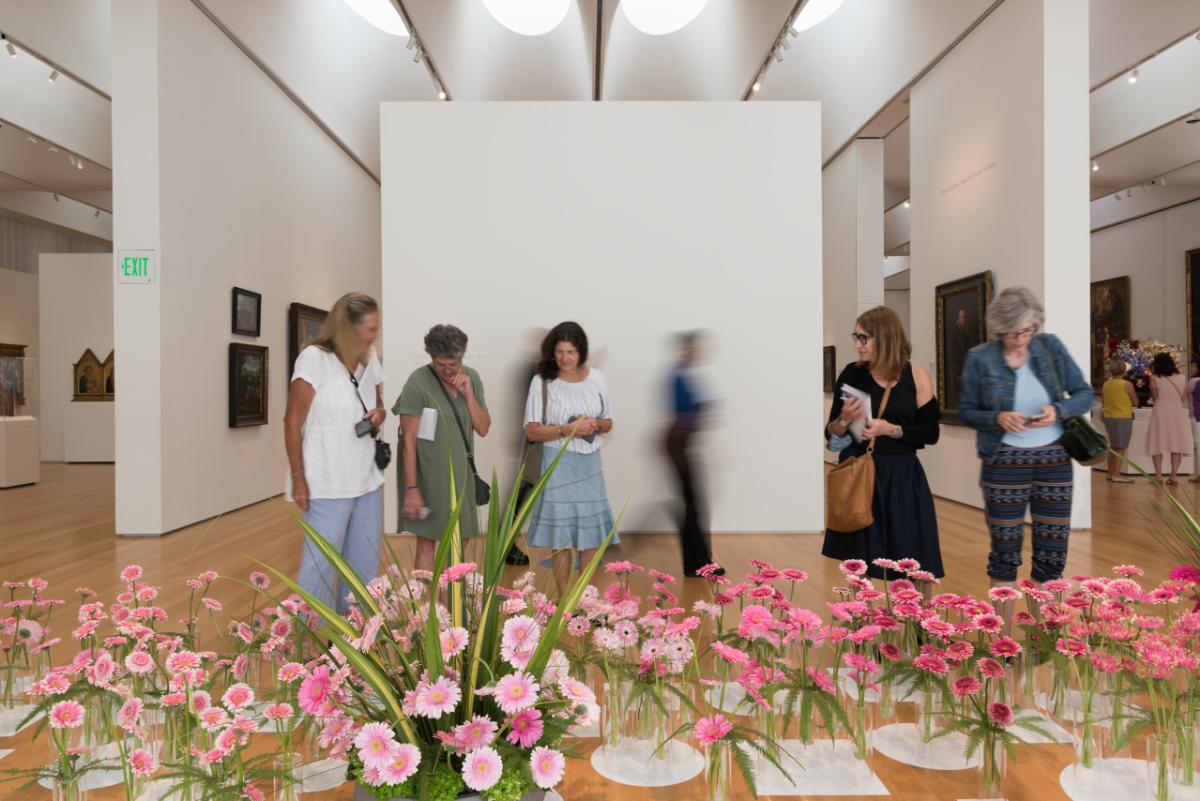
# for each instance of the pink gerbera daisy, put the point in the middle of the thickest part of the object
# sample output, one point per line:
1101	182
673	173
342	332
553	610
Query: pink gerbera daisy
733	656
406	759
525	728
127	717
482	768
711	729
66	715
291	671
991	668
454	641
279	712
314	690
1001	713
376	745
437	698
476	732
142	763
515	692
1004	647
139	663
238	696
967	685
547	766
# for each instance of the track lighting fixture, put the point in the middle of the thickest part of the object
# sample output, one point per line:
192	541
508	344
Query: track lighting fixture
756	86
52	149
1133	76
442	95
55	197
1117	197
78	163
1095	167
53	76
907	204
97	214
31	139
1129	192
12	51
1162	180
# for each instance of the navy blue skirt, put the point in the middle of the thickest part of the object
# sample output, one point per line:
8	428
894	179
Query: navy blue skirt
905	524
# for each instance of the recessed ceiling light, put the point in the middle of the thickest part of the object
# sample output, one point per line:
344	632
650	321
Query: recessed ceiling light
907	204
381	14
1095	167
528	17
12	51
756	86
1133	76
815	12
658	17
53	76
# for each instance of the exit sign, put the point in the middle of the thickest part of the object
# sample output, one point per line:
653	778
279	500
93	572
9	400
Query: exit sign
136	267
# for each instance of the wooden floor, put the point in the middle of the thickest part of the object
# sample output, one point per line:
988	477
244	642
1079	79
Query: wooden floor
62	530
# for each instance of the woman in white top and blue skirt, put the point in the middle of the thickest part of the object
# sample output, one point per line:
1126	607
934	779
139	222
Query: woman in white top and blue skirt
573	512
334	411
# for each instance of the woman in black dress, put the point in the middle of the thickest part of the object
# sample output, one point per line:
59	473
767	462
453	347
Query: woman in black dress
905	524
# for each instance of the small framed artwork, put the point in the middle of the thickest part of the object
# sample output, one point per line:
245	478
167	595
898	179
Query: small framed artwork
88	379
1192	271
247	312
12	379
304	325
247	385
960	307
829	354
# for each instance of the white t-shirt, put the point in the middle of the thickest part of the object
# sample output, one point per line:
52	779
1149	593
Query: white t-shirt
337	464
564	400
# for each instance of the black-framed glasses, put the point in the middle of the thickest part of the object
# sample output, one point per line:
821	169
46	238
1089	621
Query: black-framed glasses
1024	333
861	339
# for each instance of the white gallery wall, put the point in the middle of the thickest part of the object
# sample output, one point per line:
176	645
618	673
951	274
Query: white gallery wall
262	200
999	175
1151	251
19	310
75	312
636	220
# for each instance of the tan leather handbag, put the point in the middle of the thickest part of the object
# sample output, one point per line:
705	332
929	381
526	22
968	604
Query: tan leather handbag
850	488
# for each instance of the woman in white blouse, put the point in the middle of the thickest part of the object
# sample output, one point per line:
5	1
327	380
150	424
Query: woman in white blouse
334	477
572	513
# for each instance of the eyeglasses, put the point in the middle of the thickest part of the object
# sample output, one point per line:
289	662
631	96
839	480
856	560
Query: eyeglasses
861	339
1024	333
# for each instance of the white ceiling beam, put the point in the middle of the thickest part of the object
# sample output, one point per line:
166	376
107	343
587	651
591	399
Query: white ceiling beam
64	213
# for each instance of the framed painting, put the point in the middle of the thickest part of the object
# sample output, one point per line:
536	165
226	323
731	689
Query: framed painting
108	375
12	379
1192	270
247	385
304	325
959	307
1110	309
247	312
829	361
88	379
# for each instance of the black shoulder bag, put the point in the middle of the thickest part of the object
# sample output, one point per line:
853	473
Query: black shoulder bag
483	493
532	460
1080	439
383	451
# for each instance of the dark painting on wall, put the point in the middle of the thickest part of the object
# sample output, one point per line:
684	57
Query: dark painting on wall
12	379
1110	319
829	355
1192	268
960	307
247	312
88	378
304	325
247	385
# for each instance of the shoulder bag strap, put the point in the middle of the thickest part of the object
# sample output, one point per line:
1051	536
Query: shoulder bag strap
454	412
887	393
1058	390
357	394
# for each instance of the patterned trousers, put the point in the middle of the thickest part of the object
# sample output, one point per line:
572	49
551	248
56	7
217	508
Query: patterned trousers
1040	479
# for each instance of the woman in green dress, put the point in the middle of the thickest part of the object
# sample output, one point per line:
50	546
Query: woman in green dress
441	409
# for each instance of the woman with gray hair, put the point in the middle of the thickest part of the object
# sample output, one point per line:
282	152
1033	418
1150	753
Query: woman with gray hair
441	409
1017	390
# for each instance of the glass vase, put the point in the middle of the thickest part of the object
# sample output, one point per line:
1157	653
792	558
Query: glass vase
68	789
286	784
613	711
1187	738
993	764
718	766
1162	767
861	716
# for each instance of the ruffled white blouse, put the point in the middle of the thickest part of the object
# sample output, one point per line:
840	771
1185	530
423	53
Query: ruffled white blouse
564	400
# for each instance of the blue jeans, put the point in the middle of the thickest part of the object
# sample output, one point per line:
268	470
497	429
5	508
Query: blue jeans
353	526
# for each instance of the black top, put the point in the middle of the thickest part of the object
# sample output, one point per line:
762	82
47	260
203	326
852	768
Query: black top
920	425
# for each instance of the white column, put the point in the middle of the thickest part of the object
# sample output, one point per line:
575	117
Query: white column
999	175
137	329
868	194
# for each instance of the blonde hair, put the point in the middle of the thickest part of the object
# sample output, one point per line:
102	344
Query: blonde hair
1116	368
337	334
892	348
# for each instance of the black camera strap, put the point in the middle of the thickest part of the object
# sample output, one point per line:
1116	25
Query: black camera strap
383	451
461	429
357	394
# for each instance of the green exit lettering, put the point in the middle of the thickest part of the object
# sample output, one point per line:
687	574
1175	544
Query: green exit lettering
135	266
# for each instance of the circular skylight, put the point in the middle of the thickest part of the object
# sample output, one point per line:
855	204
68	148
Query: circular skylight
528	17
381	14
814	13
660	17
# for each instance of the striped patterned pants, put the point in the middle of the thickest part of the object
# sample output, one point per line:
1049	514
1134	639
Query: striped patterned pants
1040	479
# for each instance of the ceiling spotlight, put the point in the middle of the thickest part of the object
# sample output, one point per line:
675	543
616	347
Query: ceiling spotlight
1095	167
442	95
1129	192
31	139
411	43
1133	76
778	55
97	214
1195	118
53	76
907	204
1117	197
55	197
12	51
1162	180
52	148
417	55
756	86
78	163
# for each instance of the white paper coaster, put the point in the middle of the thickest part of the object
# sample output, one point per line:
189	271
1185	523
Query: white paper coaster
551	795
1108	780
632	763
902	742
590	730
5	752
10	720
321	775
826	768
734	695
1057	733
94	779
156	790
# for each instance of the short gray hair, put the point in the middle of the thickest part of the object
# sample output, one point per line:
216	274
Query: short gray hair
1010	308
446	341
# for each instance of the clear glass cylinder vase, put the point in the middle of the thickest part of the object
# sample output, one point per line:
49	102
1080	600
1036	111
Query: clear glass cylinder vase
1162	768
718	767
993	764
286	780
68	789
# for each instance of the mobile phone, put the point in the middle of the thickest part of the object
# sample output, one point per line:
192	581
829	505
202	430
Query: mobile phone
1036	418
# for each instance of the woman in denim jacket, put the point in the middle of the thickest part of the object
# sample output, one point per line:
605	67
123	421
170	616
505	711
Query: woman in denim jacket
1017	390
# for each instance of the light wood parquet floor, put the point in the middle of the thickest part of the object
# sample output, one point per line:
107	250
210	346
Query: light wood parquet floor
63	530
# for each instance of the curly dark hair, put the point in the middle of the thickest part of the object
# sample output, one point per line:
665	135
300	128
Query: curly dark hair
563	332
1163	365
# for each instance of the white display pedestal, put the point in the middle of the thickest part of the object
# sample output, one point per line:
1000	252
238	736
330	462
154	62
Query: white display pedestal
20	451
89	432
1137	446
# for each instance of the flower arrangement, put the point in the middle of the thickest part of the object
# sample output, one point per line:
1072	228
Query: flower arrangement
1138	356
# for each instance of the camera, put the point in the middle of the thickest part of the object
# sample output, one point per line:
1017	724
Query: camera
363	427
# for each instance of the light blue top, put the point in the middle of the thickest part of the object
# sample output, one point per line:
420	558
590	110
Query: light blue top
1029	399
